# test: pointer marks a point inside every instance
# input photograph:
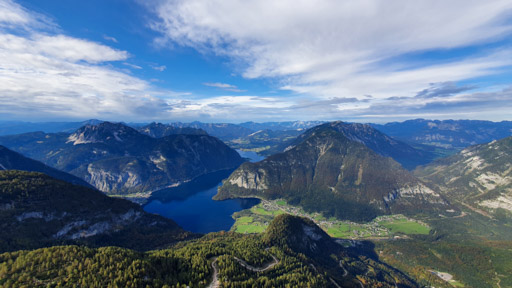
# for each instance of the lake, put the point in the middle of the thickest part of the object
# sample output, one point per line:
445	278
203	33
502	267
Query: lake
191	205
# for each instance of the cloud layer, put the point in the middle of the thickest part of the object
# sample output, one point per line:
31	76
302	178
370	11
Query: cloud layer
345	49
366	60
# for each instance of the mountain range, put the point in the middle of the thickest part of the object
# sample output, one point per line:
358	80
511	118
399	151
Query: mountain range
118	159
456	134
158	130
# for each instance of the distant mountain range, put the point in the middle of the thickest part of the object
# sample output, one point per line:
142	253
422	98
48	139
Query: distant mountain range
456	134
334	170
118	159
223	131
265	142
479	176
447	134
19	127
279	126
158	130
37	210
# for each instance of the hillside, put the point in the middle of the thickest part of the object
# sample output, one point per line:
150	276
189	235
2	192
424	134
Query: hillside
456	134
479	176
332	174
118	159
10	160
227	259
37	211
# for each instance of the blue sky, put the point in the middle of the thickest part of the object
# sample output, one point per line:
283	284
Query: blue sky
235	60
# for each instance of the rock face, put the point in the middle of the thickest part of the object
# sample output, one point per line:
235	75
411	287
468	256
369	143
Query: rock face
480	175
330	173
118	159
37	210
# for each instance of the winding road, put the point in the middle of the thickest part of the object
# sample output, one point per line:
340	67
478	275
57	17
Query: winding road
215	278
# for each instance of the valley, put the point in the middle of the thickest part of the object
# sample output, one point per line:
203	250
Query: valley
256	219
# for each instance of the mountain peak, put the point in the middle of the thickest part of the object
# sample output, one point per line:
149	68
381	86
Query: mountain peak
300	234
102	132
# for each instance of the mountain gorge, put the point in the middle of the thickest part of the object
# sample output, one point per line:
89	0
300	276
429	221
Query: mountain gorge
336	175
118	159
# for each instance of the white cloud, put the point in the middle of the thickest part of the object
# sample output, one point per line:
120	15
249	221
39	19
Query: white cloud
160	68
110	38
224	86
132	65
338	48
47	74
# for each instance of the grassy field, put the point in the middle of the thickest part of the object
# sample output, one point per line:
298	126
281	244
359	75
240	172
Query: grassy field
281	202
405	226
256	219
250	228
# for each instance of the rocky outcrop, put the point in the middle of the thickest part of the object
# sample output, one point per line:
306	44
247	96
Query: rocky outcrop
479	175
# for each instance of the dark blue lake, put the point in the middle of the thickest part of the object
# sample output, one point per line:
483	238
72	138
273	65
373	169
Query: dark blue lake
191	205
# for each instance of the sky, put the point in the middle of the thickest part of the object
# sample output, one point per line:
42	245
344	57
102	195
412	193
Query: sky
255	60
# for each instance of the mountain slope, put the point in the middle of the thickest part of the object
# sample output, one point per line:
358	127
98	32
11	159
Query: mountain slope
329	173
479	175
37	210
456	134
10	160
118	159
342	266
